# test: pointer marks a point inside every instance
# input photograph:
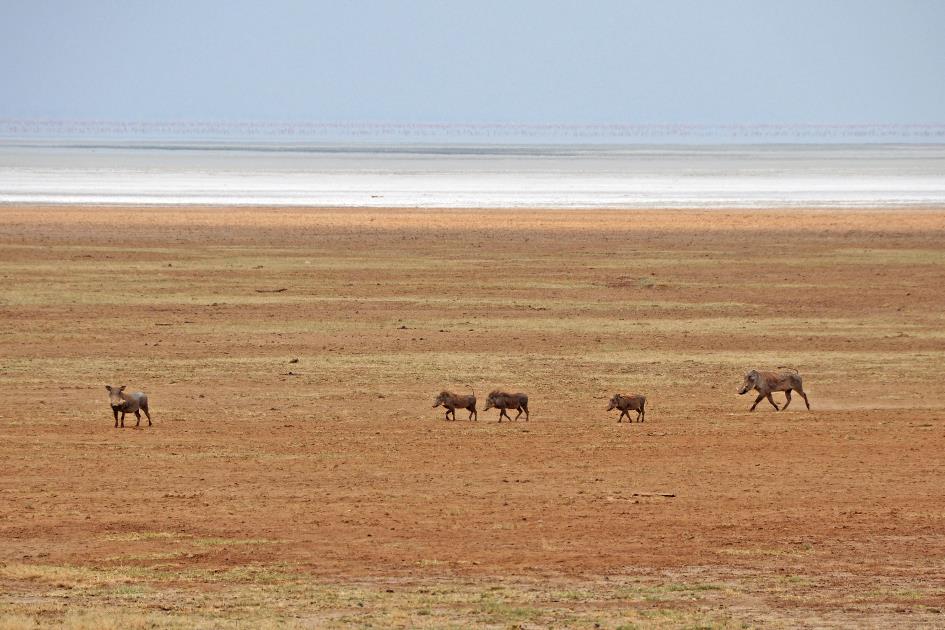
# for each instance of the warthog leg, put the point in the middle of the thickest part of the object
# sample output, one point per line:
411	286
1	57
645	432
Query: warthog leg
502	413
473	415
138	416
804	396
771	400
122	419
148	414
623	412
787	396
757	400
116	417
640	416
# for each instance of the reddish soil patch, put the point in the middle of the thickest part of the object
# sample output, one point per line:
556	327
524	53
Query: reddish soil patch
337	465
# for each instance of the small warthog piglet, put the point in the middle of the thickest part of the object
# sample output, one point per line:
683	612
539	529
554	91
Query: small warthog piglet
503	401
452	402
627	403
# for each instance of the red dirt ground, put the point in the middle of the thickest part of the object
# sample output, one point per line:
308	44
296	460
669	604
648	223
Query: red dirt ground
337	467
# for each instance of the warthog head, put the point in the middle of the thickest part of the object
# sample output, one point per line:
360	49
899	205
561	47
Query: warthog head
114	396
490	401
613	402
751	379
442	398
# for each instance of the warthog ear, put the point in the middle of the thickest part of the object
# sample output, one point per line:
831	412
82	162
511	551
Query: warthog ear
108	387
122	388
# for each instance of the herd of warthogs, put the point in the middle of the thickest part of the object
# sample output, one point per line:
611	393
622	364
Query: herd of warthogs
764	382
503	401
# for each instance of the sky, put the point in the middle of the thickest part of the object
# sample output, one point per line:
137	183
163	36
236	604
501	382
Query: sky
484	61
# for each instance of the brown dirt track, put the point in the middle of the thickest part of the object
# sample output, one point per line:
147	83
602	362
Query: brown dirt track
327	492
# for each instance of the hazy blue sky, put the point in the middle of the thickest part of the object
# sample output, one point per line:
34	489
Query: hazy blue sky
529	61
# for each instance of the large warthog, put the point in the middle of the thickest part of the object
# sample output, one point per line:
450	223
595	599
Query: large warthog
123	403
784	380
504	401
627	403
452	402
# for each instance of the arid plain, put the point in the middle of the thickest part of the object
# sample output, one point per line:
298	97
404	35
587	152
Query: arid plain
326	492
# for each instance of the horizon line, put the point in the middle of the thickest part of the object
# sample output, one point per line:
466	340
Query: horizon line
603	133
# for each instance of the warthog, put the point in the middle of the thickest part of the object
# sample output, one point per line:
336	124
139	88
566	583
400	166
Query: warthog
627	403
503	401
127	403
452	402
785	380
